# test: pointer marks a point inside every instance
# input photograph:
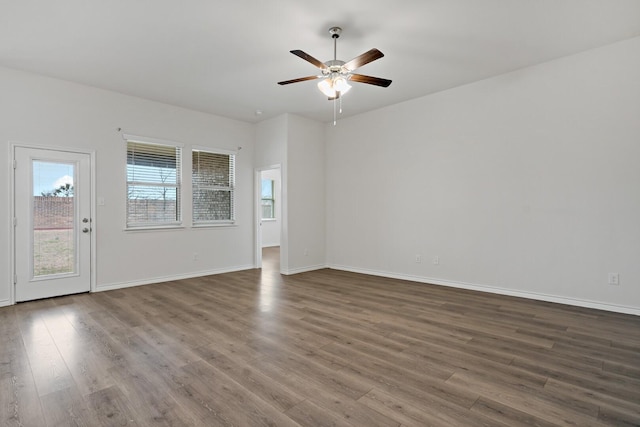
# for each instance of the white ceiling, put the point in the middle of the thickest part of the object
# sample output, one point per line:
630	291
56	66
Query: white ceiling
225	56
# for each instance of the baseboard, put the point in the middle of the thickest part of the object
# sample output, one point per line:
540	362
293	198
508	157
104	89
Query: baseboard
494	290
4	302
291	271
122	285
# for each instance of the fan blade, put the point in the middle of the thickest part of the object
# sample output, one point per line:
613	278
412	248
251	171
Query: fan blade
309	58
363	59
370	80
301	79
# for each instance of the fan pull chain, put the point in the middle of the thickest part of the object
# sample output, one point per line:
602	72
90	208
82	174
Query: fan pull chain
337	109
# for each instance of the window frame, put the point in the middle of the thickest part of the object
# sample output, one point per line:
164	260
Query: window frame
232	188
272	199
151	225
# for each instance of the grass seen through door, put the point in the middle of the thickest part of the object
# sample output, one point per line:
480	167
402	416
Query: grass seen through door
53	252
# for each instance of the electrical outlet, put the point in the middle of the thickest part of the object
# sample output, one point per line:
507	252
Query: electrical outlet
436	260
418	258
614	278
196	256
306	252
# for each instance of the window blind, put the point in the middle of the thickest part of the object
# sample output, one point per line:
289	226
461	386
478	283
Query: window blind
213	180
153	184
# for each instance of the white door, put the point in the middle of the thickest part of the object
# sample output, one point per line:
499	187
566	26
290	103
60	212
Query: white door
52	193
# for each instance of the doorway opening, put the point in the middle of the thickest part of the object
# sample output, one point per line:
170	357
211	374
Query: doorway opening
269	216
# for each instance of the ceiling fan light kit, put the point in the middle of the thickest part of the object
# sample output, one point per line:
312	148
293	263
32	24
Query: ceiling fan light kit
335	74
333	86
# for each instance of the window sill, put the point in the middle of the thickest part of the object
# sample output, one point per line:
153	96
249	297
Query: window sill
155	228
214	225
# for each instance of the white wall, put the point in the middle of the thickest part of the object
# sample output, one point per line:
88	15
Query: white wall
271	227
524	184
49	112
297	145
306	194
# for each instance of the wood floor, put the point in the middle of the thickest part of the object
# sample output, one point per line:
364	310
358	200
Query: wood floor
324	348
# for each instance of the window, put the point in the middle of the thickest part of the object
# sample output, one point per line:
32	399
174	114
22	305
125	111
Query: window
153	184
213	179
268	202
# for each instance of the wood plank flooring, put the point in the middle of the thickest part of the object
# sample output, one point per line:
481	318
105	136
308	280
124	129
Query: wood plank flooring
324	348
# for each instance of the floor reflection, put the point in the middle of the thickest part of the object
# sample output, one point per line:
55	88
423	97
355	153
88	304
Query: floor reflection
51	344
271	280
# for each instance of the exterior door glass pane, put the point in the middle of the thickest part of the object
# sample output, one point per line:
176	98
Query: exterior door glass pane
54	234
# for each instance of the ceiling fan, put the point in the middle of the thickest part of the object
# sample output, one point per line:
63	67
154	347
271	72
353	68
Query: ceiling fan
336	74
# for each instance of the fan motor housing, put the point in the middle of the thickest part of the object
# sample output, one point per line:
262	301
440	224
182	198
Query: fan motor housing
334	66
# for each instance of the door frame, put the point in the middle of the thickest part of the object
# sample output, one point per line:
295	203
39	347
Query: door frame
257	173
12	210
